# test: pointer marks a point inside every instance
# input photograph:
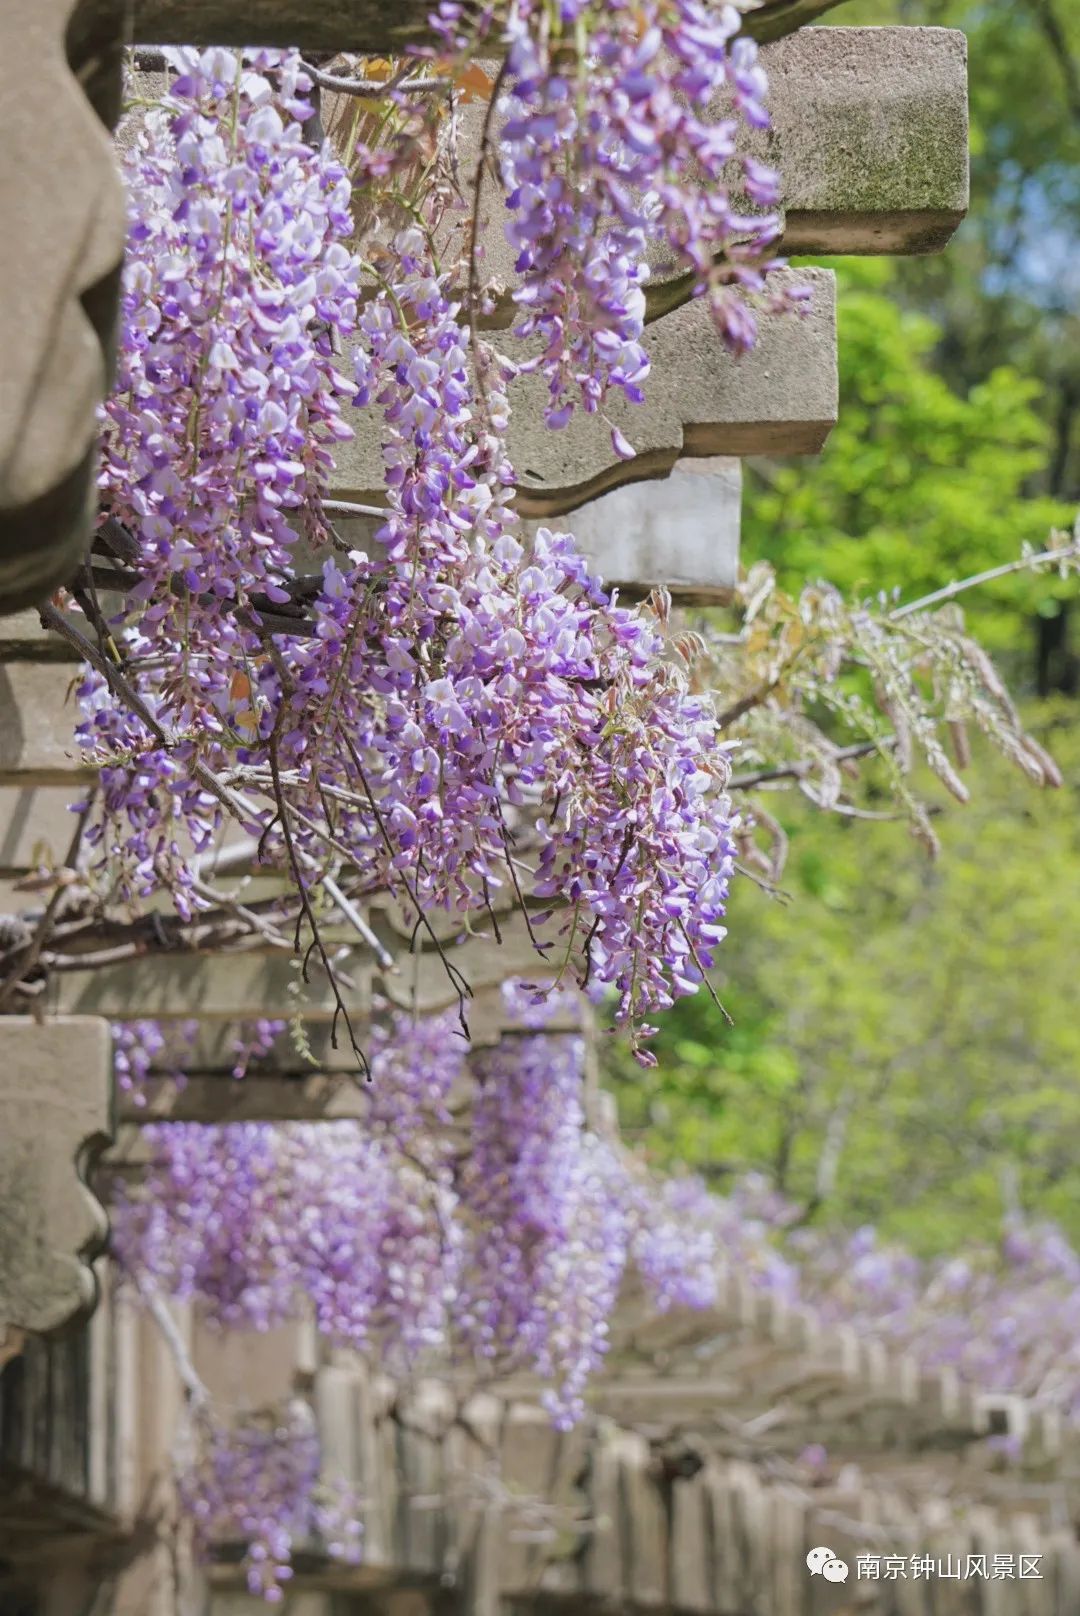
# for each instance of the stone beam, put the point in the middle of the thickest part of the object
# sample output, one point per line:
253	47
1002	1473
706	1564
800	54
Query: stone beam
35	827
212	1054
870	134
681	534
320	1097
37	722
372	26
246	984
313	1095
238	986
870	138
55	1115
700	402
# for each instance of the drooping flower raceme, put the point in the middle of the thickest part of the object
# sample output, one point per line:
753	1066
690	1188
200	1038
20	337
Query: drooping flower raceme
545	1285
256	1481
619	146
140	1045
253	1217
458	713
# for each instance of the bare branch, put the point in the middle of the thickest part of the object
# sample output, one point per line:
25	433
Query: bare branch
373	88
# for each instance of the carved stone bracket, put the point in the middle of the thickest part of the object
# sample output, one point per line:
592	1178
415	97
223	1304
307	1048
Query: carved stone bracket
55	1115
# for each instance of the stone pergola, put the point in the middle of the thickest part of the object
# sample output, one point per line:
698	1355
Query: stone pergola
870	130
683	1489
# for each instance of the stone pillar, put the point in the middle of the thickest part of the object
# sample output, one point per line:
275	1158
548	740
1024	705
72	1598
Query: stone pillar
55	1116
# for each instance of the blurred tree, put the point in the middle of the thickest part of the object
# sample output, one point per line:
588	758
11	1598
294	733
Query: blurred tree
1008	288
905	1041
1007	291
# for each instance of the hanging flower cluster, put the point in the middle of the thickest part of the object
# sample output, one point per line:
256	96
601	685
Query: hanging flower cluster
252	1217
619	146
140	1047
257	1482
455	713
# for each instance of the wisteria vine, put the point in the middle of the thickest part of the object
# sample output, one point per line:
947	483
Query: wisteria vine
447	717
454	713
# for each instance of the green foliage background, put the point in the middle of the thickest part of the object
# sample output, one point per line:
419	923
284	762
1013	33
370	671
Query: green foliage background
906	1047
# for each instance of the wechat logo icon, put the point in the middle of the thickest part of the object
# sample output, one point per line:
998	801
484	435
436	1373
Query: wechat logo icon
823	1563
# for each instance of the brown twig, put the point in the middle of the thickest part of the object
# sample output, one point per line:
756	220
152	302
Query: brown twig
340	1008
43	931
457	981
374	88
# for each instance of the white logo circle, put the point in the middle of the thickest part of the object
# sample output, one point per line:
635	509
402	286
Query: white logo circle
823	1562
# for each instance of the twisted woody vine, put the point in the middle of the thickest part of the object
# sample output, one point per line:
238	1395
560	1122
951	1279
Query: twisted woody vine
456	716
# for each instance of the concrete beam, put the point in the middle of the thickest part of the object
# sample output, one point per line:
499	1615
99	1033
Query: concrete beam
37	720
681	534
240	986
680	531
244	985
212	1054
22	638
870	134
335	25
322	1097
35	828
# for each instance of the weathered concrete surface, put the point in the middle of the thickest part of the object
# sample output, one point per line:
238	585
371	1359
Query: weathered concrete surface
300	1093
61	242
423	983
870	133
23	638
240	986
681	533
781	398
35	828
322	1097
870	137
55	1106
244	985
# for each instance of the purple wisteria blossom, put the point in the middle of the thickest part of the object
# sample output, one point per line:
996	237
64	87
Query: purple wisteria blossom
468	713
618	152
257	1482
501	1235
